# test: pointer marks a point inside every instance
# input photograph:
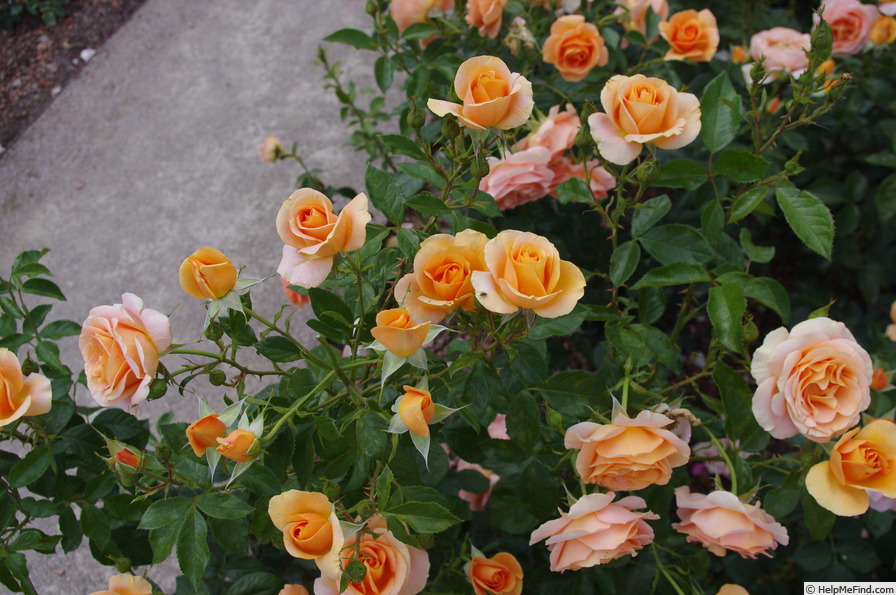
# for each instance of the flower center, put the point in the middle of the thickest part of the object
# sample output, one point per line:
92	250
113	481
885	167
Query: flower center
313	217
643	93
487	87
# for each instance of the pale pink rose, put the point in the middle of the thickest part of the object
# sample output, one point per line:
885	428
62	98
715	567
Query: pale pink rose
814	380
477	501
407	12
519	177
784	50
887	7
596	530
270	149
634	13
851	23
881	503
556	133
600	182
20	396
891	328
121	345
486	16
720	522
497	430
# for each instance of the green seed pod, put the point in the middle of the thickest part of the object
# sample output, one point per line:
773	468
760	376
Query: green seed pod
214	331
416	118
372	7
217	377
450	127
479	168
122	565
157	389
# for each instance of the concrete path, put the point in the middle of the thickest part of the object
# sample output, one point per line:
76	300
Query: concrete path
151	153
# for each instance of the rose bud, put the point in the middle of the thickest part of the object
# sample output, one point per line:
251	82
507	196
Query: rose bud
417	410
398	332
204	433
239	446
207	273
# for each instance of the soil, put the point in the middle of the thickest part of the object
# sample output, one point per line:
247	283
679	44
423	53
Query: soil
37	60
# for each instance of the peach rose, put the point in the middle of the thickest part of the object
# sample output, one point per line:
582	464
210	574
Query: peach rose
783	49
891	328
730	589
271	148
121	345
207	274
407	12
601	181
720	522
519	178
497	430
851	23
596	530
398	332
441	281
393	568
574	47
127	584
814	380
691	35
879	379
642	110
485	15
635	13
629	454
863	459
499	575
310	527
525	271
491	94
556	133
204	433
293	590
883	31
416	410
296	299
314	235
20	396
239	446
477	500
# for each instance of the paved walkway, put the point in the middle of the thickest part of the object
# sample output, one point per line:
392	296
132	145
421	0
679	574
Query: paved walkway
151	153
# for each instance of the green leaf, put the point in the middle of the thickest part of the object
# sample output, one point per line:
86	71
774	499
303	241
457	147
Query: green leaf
419	31
60	328
354	38
761	254
71	531
278	349
323	303
719	113
30	469
649	214
384	486
162	540
781	502
769	292
385	193
545	328
428	205
678	273
575	392
422	171
192	548
746	203
96	525
256	583
402	145
383	72
737	398
574	190
223	506
809	219
676	242
524	421
371	433
726	309
680	173
819	520
47	353
165	513
624	261
43	287
742	166
423	517
18	567
885	196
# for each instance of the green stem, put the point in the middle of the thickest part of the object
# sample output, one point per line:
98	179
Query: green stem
297	405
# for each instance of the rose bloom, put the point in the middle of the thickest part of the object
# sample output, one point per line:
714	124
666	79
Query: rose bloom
891	328
497	430
574	47
595	531
239	446
485	15
477	500
814	380
525	271
499	575
270	149
851	23
691	35
863	459
877	501
293	590
204	433
730	589
207	274
556	133
313	234
629	454
407	12
296	299
887	7
635	13
783	49
20	396
127	584
519	178
416	410
393	568
121	345
600	182
441	281
883	31
398	332
491	95
720	522
642	110
310	527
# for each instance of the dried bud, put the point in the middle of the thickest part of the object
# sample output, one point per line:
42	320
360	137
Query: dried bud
217	377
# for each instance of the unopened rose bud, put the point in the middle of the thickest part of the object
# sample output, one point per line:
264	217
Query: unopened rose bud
450	127
738	54
122	565
214	331
774	105
240	446
479	168
207	274
371	7
217	377
204	433
879	379
29	366
157	389
398	332
883	31
751	332
416	118
271	149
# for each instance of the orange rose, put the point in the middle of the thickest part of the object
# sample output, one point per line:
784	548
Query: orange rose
293	590
127	584
883	31
441	281
485	15
575	47
851	23
407	12
525	271
730	589
207	273
879	379
692	35
722	523
121	345
491	95
416	410
204	433
313	234
863	459
398	332
642	110
310	527
20	396
393	568
128	458
635	13
629	454
239	446
499	575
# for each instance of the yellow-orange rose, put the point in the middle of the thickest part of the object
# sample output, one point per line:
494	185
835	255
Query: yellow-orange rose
642	110
293	590
407	12
486	16
121	345
204	433
398	332
731	589
416	410
499	575
310	527
127	584
207	273
491	95
574	47
883	31
20	396
313	234
863	459
629	454
441	281
525	271
239	446
691	35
